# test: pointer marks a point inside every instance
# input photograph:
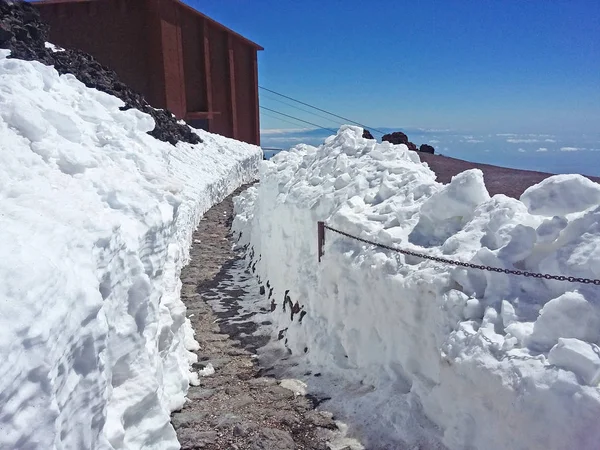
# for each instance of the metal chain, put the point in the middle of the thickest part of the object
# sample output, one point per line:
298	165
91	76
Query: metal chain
469	265
595	348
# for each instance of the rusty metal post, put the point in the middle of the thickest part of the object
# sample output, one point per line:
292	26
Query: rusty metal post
320	238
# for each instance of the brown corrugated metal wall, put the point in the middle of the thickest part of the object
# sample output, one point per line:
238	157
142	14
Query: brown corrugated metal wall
219	68
176	57
194	64
244	92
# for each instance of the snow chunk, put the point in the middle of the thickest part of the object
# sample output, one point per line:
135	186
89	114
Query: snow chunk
579	357
473	309
54	48
561	194
447	211
520	330
570	316
207	371
298	387
508	313
342	181
550	229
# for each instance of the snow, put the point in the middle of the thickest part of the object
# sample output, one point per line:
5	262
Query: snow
96	219
562	194
419	352
582	358
298	387
567	316
207	371
53	48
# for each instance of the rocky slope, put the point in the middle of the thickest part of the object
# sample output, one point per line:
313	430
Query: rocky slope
25	35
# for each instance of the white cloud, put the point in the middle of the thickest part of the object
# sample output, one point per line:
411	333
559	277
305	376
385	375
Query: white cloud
433	130
522	141
542	149
288	139
522	150
539	135
549	140
474	141
270	131
434	141
571	149
506	134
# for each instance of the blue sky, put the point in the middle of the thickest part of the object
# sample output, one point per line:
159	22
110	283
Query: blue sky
473	67
481	65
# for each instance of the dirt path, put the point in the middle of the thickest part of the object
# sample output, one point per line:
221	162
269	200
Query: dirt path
498	180
235	407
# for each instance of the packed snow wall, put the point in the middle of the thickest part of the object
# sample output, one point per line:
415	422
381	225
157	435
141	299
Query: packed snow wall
96	220
472	358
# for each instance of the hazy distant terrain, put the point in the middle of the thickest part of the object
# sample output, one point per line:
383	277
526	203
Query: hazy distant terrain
554	153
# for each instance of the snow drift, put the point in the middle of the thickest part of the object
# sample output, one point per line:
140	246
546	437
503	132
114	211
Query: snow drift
433	354
96	219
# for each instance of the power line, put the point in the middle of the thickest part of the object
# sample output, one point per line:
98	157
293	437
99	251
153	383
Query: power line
337	122
322	110
282	119
300	120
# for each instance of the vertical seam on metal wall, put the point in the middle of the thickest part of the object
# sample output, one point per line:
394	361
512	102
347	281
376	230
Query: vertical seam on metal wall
232	87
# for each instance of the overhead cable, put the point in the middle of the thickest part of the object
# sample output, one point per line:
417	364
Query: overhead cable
336	121
300	120
322	110
282	119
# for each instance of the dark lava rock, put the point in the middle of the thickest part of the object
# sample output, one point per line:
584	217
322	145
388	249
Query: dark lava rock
426	148
25	35
321	419
190	438
367	134
273	439
5	35
397	137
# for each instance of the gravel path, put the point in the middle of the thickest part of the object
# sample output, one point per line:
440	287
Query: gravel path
498	180
235	407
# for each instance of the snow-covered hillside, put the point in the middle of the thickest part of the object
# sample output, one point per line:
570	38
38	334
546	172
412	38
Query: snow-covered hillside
96	218
432	353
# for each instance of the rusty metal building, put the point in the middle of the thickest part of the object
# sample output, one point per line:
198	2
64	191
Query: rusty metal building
175	56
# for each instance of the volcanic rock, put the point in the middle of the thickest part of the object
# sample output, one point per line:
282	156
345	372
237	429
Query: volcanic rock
397	137
426	148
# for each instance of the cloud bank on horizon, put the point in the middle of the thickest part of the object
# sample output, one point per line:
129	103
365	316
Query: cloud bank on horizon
568	153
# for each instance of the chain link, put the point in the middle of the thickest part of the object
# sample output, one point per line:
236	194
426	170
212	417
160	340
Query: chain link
469	265
494	348
595	349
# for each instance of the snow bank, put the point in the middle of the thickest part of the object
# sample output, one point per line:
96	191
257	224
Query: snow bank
96	219
430	352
